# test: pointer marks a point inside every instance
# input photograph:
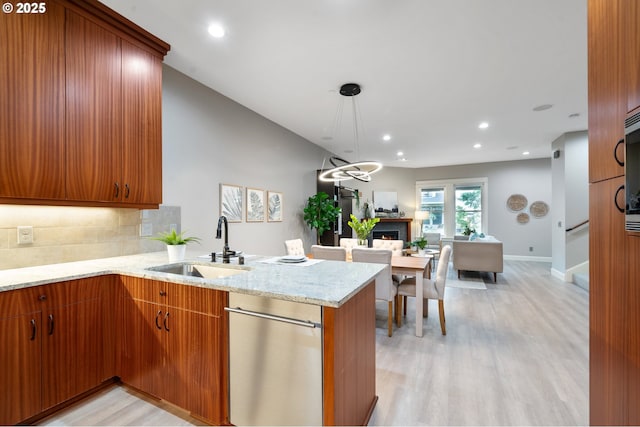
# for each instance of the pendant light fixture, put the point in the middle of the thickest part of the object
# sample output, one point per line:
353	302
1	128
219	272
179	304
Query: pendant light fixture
342	169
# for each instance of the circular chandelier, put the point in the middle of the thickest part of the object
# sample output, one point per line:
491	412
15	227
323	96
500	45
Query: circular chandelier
343	170
361	171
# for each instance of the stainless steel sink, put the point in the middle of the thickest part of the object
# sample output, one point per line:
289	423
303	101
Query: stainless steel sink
199	270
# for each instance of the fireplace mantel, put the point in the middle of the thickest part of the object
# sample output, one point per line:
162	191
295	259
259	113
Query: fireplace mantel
397	223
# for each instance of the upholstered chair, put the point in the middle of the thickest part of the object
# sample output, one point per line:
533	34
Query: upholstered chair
294	247
348	244
385	288
395	246
334	253
431	289
433	240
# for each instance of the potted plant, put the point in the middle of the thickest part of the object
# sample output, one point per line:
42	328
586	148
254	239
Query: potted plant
362	228
176	243
319	213
420	243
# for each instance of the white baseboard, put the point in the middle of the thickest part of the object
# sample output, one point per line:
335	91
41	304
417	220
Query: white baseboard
527	258
560	275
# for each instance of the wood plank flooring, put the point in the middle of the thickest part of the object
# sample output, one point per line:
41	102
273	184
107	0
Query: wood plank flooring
514	354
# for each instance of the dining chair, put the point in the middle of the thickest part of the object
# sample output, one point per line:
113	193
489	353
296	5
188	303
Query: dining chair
397	249
334	253
431	289
294	247
385	288
348	244
396	246
434	243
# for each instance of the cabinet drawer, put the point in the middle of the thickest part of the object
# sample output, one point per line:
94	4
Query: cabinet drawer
144	289
193	298
18	302
190	298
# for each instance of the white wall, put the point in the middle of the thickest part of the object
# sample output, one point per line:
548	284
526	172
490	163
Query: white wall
209	139
571	197
531	178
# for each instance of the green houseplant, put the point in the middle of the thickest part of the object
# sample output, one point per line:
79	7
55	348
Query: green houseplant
176	243
362	228
420	243
319	213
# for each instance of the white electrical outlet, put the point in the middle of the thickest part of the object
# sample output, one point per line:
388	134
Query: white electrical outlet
25	234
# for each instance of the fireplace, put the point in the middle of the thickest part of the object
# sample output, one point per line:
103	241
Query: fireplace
393	228
386	235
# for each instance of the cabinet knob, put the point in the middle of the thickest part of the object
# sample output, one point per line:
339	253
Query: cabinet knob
42	298
163	293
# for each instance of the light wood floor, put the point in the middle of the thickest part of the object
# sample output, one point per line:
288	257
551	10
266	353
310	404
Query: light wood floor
514	354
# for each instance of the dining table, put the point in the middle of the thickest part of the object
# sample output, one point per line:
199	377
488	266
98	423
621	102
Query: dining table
420	267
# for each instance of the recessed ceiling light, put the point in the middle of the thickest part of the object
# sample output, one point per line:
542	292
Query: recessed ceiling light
525	153
483	125
403	159
477	145
400	153
216	30
386	137
542	107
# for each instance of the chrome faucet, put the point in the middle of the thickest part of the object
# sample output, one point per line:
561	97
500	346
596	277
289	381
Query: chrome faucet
226	252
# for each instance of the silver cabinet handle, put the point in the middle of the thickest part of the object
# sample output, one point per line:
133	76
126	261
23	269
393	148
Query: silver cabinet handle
306	324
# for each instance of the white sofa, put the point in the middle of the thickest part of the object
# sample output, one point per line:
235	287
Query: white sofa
478	255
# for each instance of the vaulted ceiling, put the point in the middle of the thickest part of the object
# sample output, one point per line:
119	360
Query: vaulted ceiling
430	70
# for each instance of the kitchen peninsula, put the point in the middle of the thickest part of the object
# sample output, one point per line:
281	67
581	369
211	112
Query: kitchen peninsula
67	329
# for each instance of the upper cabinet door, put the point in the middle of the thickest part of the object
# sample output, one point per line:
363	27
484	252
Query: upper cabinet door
607	96
94	111
631	13
32	90
142	125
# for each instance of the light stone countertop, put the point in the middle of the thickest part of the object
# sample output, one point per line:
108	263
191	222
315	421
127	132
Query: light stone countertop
326	283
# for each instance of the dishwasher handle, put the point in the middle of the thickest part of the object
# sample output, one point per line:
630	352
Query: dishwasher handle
305	323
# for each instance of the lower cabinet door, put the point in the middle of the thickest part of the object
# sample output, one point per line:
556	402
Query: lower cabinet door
193	365
142	351
72	350
20	368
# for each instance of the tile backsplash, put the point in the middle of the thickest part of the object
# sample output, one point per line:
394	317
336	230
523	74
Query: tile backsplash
63	234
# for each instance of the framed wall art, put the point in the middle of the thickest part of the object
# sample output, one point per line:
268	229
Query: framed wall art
274	206
255	205
231	202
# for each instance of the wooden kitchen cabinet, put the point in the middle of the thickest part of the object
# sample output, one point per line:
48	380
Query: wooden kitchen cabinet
606	89
607	288
32	88
51	343
93	110
631	14
80	108
20	356
113	119
173	345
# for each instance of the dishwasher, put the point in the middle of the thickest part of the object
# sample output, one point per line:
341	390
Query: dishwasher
275	361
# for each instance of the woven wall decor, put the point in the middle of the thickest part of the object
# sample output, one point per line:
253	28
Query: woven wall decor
539	209
517	202
522	218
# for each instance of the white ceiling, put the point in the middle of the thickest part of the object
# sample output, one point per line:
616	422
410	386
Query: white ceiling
430	70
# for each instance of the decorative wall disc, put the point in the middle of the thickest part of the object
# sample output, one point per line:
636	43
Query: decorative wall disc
517	202
539	209
522	218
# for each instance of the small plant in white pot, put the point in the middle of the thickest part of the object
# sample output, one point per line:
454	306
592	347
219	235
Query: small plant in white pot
420	244
176	244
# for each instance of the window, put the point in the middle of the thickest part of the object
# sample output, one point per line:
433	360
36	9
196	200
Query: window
432	201
468	209
453	205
